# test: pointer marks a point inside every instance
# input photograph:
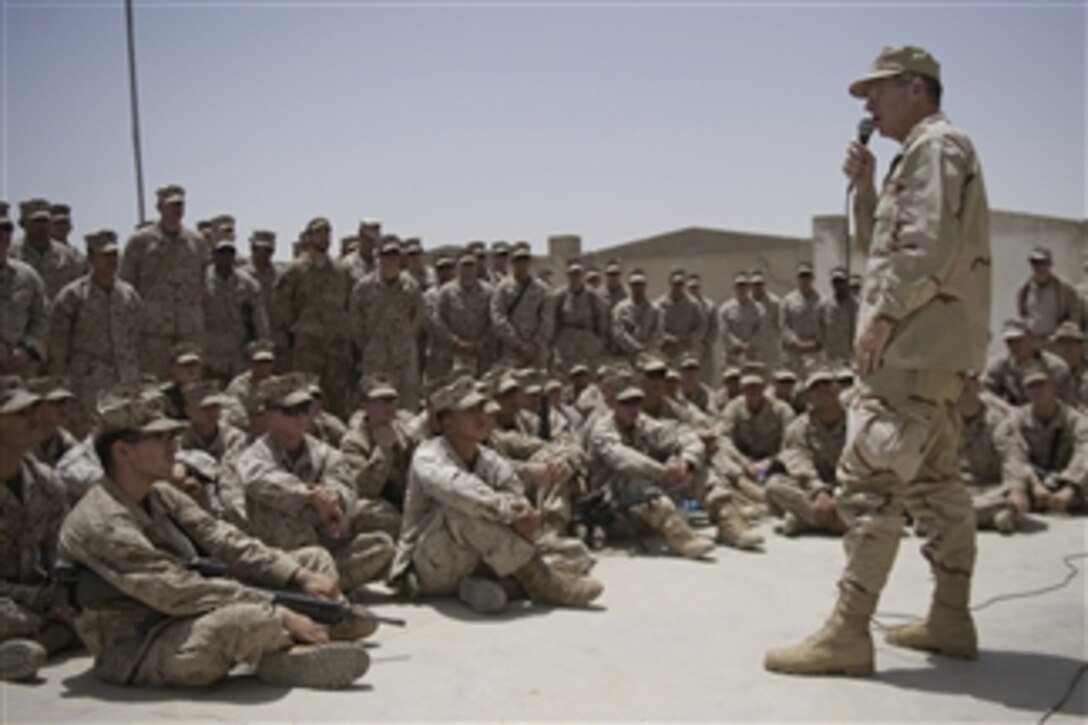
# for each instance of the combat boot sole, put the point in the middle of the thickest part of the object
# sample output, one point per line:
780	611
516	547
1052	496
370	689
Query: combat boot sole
20	659
831	651
482	595
331	666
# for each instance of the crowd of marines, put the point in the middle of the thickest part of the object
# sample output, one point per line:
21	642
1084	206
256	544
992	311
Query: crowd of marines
449	429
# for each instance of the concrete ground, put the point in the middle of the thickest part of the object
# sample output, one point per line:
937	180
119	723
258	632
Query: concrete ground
672	640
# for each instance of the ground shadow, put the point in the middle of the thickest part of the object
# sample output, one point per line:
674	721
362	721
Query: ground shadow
1031	681
519	609
236	690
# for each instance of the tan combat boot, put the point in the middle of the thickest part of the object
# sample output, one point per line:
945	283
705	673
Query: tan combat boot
330	666
20	659
359	624
948	629
843	646
661	515
750	490
733	528
552	585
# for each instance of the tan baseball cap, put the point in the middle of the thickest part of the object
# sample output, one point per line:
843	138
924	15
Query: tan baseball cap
377	387
284	391
184	353
101	242
33	210
262	238
894	61
170	194
1068	330
119	412
204	394
462	394
14	395
261	351
60	212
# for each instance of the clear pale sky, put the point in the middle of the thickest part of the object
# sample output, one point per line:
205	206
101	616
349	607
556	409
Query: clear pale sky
457	121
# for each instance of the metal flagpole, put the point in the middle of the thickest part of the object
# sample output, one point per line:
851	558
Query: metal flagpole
135	107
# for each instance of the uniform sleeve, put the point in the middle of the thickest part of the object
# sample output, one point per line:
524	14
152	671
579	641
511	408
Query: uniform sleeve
606	444
1076	471
459	489
37	326
797	455
62	320
357	316
621	323
1016	472
790	340
264	481
372	468
500	320
928	189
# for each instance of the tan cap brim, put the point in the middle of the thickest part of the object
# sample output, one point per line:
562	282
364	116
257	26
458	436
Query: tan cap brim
163	425
469	401
296	398
860	87
630	395
20	400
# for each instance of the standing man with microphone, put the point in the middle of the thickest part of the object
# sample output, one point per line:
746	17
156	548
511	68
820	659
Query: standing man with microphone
925	309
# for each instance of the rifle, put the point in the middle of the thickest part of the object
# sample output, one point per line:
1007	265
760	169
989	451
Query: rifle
544	430
599	509
76	586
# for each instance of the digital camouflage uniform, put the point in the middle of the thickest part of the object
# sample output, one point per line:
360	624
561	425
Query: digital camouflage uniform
464	314
636	327
810	452
456	518
838	325
529	321
740	323
1053	453
167	271
380	475
683	319
768	342
94	335
386	319
1004	377
982	459
23	320
56	263
312	299
758	434
234	315
277	495
583	327
175	627
800	320
32	508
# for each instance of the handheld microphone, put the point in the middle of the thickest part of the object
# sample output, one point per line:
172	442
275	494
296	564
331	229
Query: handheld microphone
866	126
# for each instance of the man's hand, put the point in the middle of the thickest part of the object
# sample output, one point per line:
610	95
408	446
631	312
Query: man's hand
710	441
859	167
676	473
302	628
327	505
871	343
1041	494
823	509
1061	500
317	584
526	520
1019	501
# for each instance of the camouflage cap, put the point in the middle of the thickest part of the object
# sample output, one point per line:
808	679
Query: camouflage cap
575	265
170	194
672	374
318	222
690	362
521	250
1035	374
466	259
804	268
204	394
226	244
838	273
185	353
532	381
785	376
223	221
461	394
505	384
477	247
677	275
500	248
756	277
552	384
60	212
103	241
1041	254
390	245
261	351
5	218
370	226
200	462
592	272
284	391
128	409
730	372
845	375
819	376
14	395
891	62
377	386
444	261
52	389
740	279
618	381
413	245
855	280
579	369
613	267
33	210
637	276
262	238
752	378
204	225
649	362
1013	329
1068	330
